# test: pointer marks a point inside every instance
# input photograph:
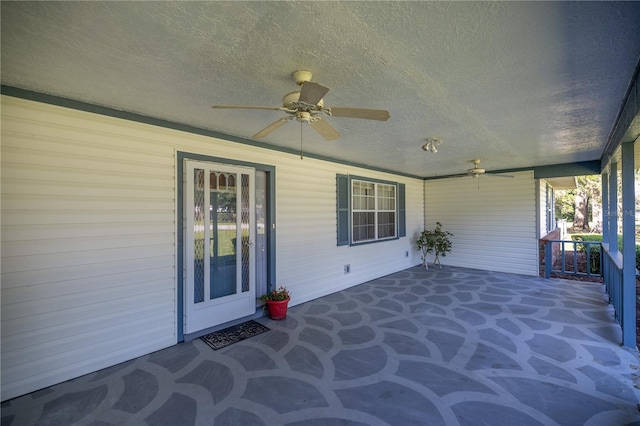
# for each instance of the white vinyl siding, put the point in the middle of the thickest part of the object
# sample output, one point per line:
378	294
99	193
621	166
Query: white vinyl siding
88	226
89	237
308	261
493	221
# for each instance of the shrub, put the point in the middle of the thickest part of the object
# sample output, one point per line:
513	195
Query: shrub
595	250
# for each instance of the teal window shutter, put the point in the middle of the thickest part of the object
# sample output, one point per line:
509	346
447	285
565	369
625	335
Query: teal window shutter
402	216
342	203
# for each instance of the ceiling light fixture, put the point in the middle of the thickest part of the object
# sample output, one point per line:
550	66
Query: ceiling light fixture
432	144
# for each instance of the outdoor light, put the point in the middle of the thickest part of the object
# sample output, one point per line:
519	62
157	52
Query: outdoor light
431	145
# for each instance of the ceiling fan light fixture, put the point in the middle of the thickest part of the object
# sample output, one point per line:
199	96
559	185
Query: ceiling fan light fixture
304	117
432	145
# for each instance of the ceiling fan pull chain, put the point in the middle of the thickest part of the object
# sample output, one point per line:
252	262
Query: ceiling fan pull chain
301	140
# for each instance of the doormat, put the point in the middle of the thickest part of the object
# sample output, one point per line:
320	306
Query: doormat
230	335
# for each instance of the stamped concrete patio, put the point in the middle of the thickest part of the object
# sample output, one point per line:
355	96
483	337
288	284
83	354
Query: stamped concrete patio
420	347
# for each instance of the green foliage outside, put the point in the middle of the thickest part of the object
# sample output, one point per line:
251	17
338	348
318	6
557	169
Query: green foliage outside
226	239
581	205
595	249
564	205
226	242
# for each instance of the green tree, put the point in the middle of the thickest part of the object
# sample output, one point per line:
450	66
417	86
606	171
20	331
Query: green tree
588	202
564	204
582	205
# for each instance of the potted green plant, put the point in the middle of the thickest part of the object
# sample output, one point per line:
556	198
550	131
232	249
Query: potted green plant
434	241
276	303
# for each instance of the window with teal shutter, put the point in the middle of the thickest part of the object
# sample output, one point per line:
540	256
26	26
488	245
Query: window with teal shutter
369	210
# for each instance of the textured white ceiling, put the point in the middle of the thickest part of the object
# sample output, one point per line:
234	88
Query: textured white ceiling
516	84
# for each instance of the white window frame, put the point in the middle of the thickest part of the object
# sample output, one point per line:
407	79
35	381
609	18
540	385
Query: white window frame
376	210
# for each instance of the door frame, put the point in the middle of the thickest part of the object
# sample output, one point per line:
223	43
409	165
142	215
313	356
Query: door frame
181	223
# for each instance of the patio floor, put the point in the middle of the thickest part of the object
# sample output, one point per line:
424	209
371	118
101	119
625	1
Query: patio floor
419	347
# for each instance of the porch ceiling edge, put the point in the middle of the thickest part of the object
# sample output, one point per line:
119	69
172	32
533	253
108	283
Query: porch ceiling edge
568	169
626	127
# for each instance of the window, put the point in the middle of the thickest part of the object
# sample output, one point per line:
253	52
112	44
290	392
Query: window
551	225
369	210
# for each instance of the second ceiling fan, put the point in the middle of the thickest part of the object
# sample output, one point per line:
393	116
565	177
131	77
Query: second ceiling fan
307	106
476	172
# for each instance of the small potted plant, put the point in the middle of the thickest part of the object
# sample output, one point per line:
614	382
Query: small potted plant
434	241
276	303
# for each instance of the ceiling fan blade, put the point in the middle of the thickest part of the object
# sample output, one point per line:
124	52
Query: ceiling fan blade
271	127
457	175
367	114
247	107
499	175
312	93
325	129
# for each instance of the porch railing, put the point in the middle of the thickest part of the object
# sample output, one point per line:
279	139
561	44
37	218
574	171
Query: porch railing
612	272
556	254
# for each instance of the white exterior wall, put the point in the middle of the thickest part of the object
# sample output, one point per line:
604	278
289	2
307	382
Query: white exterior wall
308	261
494	224
88	238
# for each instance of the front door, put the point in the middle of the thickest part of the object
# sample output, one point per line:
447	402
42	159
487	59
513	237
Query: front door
219	244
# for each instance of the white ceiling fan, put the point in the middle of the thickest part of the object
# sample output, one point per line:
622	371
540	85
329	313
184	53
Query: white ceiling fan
307	106
476	172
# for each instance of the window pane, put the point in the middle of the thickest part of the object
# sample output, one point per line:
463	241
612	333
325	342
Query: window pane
386	197
386	225
363	195
371	203
384	204
363	226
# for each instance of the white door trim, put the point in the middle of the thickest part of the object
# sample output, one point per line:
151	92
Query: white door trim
211	311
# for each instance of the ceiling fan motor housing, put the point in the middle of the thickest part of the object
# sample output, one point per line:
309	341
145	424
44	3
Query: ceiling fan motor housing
290	98
291	101
476	171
